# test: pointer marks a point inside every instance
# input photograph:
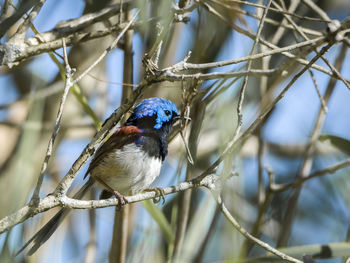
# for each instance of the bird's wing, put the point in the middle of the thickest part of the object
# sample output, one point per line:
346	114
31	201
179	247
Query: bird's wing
124	135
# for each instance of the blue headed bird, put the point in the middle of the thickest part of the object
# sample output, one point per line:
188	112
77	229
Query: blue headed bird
128	162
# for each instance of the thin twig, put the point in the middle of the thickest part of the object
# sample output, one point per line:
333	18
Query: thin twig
108	50
317	10
298	29
271	21
189	155
185	66
22	29
67	86
246	234
323	103
72	26
24	6
169	76
329	170
280	31
245	80
219	90
278	11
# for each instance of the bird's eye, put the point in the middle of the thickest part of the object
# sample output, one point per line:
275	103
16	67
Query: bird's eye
167	113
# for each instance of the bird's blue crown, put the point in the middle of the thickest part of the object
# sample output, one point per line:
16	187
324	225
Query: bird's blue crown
164	110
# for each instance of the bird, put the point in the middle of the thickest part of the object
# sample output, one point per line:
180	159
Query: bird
127	162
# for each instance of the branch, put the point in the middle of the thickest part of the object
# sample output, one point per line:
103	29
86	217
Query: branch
245	233
170	76
245	80
68	27
108	50
67	86
52	201
317	10
24	7
281	12
329	170
12	53
22	29
27	211
183	65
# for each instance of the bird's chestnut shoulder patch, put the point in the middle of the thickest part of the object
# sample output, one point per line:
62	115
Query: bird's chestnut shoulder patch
127	130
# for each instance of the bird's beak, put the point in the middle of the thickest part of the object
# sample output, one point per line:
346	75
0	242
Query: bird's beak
178	117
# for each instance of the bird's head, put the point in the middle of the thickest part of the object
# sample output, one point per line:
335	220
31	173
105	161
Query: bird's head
154	114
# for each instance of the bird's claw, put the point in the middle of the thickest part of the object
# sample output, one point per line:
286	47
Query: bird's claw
121	200
160	195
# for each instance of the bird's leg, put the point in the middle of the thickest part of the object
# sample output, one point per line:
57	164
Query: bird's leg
121	198
160	195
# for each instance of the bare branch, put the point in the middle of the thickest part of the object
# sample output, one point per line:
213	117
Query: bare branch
24	7
329	170
245	80
109	49
246	234
22	29
317	10
67	86
185	66
52	201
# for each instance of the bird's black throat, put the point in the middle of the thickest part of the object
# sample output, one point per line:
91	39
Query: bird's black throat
153	145
153	141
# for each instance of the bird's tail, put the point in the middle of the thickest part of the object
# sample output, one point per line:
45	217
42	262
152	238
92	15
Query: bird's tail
47	230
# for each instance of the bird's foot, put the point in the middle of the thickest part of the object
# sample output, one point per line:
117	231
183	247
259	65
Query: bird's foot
121	199
160	195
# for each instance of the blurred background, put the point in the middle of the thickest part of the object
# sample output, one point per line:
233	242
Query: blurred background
307	131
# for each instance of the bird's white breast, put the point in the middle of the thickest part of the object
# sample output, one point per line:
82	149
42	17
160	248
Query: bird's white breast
128	170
